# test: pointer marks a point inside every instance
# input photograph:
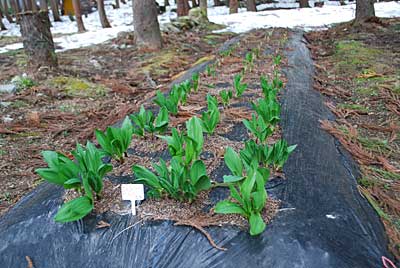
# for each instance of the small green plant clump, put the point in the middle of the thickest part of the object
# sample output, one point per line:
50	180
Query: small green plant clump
22	82
115	141
210	118
146	121
186	175
226	96
248	62
177	95
85	174
240	87
195	81
247	189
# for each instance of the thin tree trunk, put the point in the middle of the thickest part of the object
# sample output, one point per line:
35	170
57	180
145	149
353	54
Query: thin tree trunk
233	6
117	4
43	5
303	3
364	10
34	6
102	14
78	15
182	8
37	40
145	23
166	3
251	5
16	9
203	8
6	13
218	3
194	3
54	10
123	2
2	26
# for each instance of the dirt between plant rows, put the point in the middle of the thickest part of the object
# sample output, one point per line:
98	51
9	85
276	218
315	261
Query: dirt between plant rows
358	70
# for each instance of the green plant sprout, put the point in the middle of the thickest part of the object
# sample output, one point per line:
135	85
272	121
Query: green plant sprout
115	141
269	110
248	62
258	127
85	174
170	103
210	71
186	176
278	154
210	118
247	190
226	96
239	87
146	121
195	81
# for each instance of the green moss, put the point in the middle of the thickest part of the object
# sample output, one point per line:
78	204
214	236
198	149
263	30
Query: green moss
353	56
77	87
155	64
355	107
375	145
367	91
18	104
386	174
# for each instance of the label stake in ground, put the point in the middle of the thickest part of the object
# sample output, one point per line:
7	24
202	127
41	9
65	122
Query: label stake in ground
132	192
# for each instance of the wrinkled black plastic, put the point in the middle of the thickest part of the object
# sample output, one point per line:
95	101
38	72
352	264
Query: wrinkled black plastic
323	222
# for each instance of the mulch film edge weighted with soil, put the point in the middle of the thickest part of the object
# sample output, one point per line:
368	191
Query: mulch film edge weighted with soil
323	220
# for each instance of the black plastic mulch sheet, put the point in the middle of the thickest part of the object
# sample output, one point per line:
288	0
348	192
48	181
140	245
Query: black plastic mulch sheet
323	221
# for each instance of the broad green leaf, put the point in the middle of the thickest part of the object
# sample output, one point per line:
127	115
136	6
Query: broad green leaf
232	178
233	162
228	207
74	210
257	224
72	183
197	171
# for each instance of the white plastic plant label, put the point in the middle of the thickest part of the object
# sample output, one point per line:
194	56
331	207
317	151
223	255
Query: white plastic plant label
132	192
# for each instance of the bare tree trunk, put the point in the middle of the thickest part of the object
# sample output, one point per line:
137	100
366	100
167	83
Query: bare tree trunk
251	5
54	10
145	23
16	8
34	6
218	3
2	26
166	3
43	5
37	40
303	3
364	10
203	8
117	4
6	13
78	15
182	8
194	3
233	6
102	14
123	2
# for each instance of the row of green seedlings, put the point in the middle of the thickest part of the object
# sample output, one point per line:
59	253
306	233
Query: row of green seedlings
86	170
251	167
186	175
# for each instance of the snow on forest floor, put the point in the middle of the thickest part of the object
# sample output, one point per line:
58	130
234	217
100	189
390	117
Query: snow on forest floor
121	20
